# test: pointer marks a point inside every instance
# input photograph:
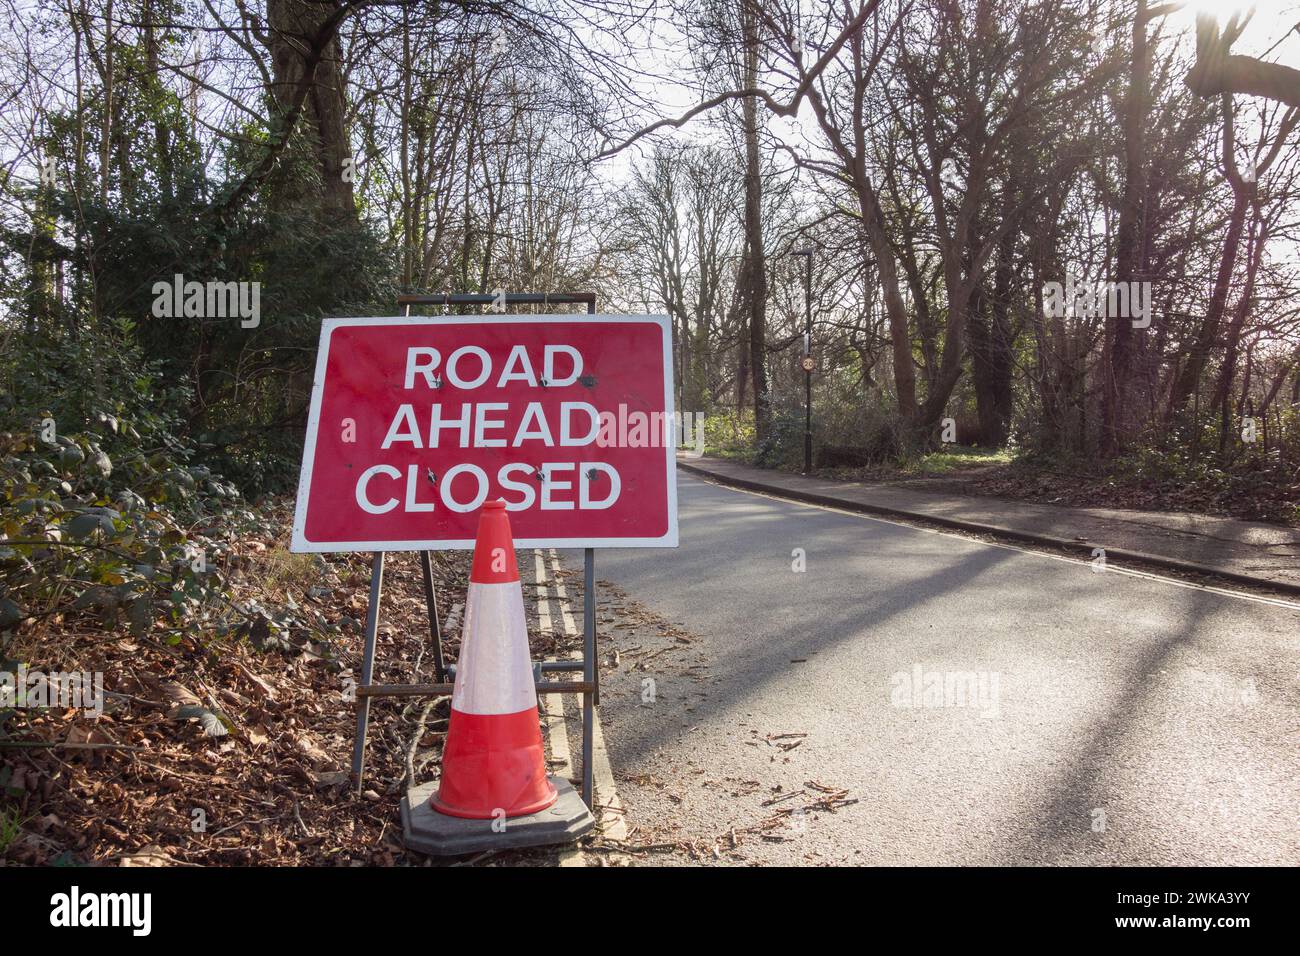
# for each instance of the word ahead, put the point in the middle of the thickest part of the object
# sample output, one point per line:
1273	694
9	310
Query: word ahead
415	422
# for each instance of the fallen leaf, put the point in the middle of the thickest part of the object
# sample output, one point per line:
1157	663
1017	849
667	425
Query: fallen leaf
213	726
267	690
328	778
312	750
179	695
152	855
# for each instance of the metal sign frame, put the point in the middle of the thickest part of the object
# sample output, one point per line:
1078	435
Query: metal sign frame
588	686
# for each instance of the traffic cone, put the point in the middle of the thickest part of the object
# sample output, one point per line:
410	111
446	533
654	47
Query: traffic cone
493	759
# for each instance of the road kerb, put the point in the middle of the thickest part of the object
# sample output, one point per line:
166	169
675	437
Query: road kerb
611	815
1015	534
553	719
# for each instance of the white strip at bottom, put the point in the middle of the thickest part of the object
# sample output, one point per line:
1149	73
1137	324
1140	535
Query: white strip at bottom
552	707
612	815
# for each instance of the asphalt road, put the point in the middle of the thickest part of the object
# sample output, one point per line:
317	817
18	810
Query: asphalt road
981	704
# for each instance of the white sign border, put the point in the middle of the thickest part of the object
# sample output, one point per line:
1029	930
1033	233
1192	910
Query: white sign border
300	544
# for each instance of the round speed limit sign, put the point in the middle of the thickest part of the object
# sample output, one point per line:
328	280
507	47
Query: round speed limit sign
809	363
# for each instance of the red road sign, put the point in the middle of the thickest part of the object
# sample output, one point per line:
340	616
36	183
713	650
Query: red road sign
415	422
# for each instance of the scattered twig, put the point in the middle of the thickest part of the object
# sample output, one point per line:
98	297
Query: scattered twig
65	745
478	859
415	739
789	796
236	825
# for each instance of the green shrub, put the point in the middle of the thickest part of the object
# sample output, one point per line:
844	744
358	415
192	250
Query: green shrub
101	512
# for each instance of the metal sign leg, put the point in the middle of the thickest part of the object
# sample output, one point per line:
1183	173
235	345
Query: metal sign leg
588	669
368	665
435	627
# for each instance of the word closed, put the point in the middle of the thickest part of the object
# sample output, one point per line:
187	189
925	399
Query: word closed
416	422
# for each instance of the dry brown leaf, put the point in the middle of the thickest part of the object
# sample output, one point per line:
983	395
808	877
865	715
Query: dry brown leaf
328	778
152	855
233	697
179	695
87	735
266	689
313	751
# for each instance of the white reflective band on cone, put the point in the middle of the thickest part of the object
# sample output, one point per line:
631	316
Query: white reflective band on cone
494	674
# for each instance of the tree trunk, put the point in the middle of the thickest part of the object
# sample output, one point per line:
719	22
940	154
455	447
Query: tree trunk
1232	349
988	336
900	336
295	27
1119	345
755	262
1198	357
161	131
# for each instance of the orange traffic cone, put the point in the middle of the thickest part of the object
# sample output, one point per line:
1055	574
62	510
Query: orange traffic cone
493	759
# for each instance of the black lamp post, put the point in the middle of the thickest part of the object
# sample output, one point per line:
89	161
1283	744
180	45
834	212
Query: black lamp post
807	361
